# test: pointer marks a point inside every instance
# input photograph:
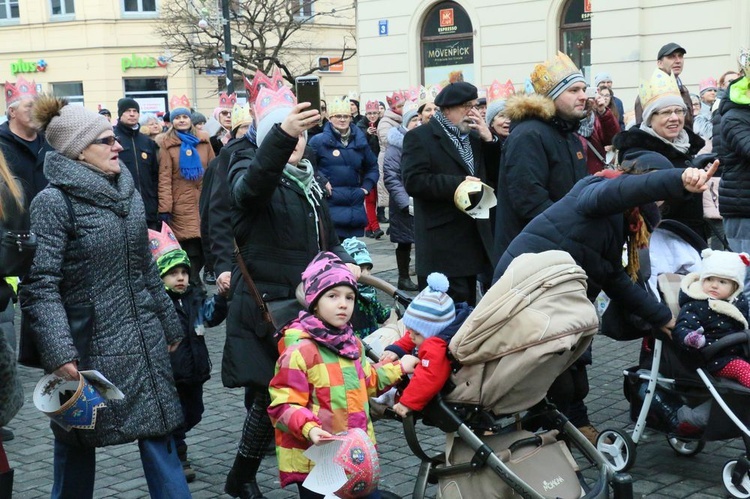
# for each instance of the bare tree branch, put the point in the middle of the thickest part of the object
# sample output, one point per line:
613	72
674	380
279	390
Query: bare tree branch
264	33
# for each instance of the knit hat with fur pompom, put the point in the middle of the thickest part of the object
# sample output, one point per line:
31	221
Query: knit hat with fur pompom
432	310
68	128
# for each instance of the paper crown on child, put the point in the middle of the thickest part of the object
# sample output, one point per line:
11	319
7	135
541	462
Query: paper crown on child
358	250
372	106
552	77
413	93
20	90
166	250
227	101
497	94
395	98
326	271
241	115
727	265
432	310
339	106
410	110
658	92
271	107
707	84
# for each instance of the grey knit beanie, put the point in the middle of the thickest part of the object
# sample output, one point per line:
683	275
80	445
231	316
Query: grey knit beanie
69	128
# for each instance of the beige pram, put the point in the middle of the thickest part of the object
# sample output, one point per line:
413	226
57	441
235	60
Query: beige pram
529	327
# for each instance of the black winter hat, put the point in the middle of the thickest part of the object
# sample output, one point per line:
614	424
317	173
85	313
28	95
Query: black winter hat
127	103
456	94
668	49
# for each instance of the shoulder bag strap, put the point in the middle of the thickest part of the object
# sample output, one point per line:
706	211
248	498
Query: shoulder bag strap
74	234
257	297
596	152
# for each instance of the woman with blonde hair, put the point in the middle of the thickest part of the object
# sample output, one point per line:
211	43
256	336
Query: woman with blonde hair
13	217
184	156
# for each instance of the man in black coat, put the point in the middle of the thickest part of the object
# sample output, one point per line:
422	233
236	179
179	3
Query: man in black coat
140	155
23	146
734	197
543	156
453	146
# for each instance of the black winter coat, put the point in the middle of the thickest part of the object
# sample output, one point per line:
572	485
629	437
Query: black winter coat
191	363
447	239
734	188
372	140
718	318
542	159
26	161
589	224
639	146
401	228
140	155
14	219
275	229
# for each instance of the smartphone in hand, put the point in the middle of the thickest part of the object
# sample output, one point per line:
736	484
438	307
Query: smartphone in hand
308	90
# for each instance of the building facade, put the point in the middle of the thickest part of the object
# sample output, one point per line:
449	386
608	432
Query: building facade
432	41
94	52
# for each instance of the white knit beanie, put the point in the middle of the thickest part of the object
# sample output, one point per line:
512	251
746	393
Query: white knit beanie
432	310
727	265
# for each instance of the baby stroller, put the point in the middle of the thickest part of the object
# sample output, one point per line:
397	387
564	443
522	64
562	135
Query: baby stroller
665	380
503	439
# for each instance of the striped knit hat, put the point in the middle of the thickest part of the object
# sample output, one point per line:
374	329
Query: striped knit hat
432	310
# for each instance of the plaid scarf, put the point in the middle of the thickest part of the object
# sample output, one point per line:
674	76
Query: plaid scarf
461	141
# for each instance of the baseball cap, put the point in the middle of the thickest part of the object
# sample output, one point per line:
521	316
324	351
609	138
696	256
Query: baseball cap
668	49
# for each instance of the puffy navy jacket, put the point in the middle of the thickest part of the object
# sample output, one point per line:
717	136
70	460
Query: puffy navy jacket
349	169
734	188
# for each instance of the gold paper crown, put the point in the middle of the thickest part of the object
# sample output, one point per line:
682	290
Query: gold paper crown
409	105
660	85
500	91
241	115
744	60
339	106
547	75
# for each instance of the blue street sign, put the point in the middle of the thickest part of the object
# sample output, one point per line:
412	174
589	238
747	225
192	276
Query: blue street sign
383	27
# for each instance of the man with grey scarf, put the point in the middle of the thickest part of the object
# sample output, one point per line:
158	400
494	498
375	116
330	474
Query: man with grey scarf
453	146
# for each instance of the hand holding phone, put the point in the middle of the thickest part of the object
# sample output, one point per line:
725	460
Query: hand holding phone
308	90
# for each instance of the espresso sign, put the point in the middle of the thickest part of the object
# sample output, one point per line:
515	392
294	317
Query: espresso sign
445	19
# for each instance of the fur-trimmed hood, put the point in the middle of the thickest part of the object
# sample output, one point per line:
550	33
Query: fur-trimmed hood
529	106
691	286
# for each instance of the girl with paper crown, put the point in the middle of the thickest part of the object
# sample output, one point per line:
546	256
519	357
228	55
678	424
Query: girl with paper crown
310	400
184	156
281	221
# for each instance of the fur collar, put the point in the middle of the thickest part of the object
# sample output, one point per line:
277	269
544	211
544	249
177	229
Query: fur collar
691	286
523	107
638	139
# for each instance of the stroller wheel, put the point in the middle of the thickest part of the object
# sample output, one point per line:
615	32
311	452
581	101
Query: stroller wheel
740	490
685	447
617	448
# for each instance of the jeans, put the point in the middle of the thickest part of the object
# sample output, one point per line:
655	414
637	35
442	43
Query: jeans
738	235
75	470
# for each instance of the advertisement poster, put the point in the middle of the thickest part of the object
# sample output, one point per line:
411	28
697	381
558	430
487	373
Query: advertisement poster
448	61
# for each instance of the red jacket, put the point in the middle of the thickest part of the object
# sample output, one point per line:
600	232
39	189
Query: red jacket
605	128
431	373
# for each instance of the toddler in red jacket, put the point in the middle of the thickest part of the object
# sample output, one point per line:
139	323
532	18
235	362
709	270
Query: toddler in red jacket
431	320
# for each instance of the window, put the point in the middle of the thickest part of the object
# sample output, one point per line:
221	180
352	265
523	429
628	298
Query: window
151	93
71	90
301	8
135	6
62	7
8	9
447	45
575	34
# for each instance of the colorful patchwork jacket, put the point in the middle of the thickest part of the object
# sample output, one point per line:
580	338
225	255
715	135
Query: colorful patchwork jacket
313	386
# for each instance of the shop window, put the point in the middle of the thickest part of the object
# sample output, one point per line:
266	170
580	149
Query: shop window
62	7
447	45
8	10
139	6
575	34
150	93
301	8
71	90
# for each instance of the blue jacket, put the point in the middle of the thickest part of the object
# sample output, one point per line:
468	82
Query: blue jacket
350	169
589	224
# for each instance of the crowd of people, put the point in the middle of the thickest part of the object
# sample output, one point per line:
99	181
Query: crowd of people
132	219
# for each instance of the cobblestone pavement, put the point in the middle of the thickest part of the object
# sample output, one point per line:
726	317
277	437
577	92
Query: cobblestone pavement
658	471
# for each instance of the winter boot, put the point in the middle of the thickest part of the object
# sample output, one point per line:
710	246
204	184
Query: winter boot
6	484
381	215
241	478
186	469
403	257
